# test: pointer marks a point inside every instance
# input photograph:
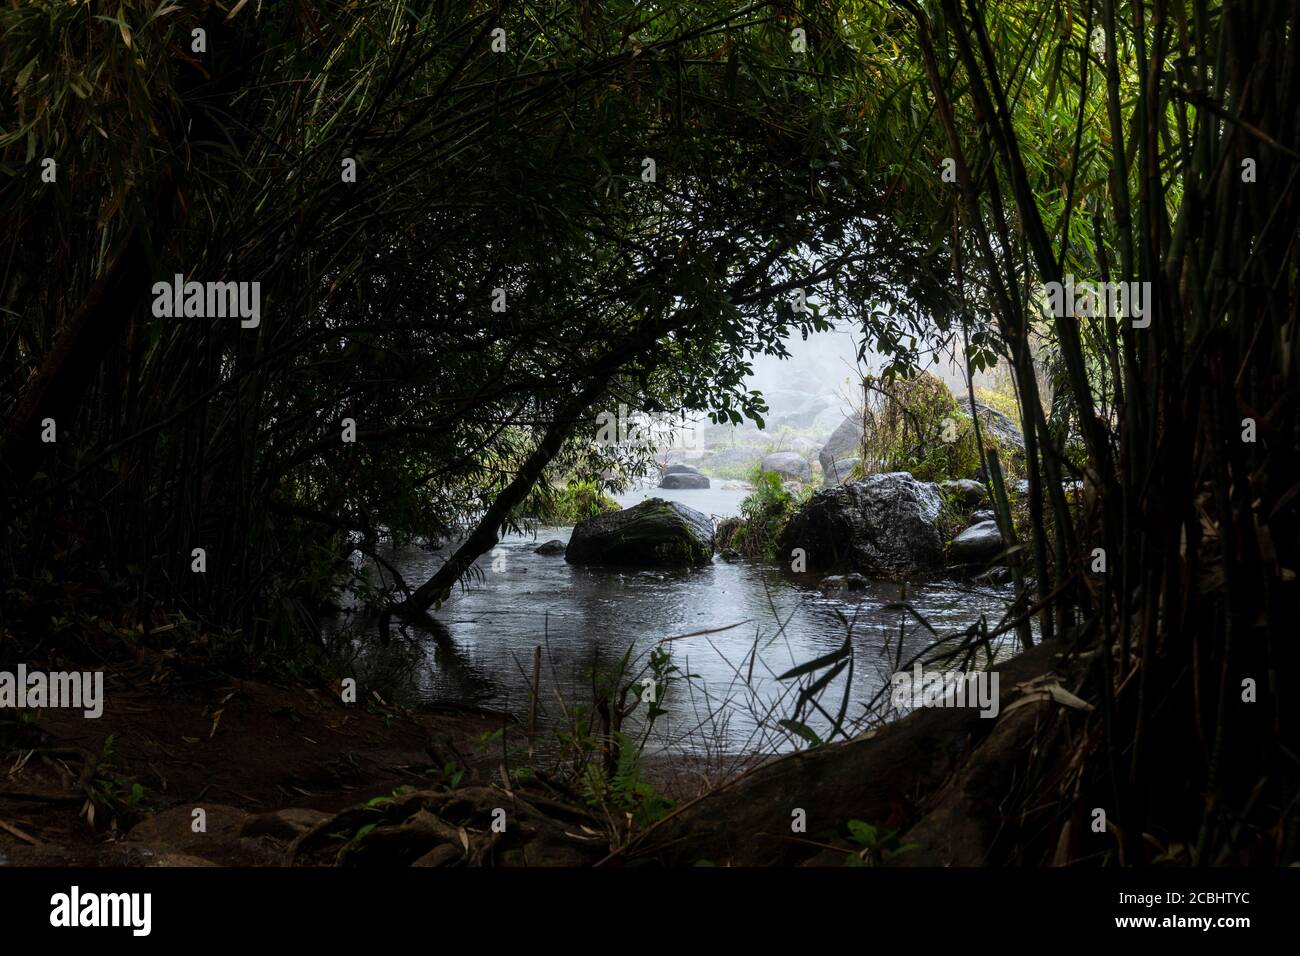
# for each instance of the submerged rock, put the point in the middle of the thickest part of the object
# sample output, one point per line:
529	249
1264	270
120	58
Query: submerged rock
789	465
882	526
684	479
554	546
978	544
655	533
834	584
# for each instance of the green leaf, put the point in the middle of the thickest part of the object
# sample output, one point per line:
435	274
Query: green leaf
802	730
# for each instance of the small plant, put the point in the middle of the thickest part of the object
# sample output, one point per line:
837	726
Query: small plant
448	777
110	792
766	513
878	848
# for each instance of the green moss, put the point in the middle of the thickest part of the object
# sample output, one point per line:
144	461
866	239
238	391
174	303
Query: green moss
999	402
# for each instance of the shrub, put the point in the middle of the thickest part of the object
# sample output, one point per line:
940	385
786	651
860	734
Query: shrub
576	501
918	426
766	513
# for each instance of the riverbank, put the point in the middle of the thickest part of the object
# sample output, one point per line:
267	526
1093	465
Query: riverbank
165	743
240	773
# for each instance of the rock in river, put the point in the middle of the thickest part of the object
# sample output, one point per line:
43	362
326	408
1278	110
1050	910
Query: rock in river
978	544
655	533
882	526
684	479
554	546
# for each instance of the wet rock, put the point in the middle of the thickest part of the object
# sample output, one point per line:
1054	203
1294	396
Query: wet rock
684	479
845	442
681	468
730	555
840	471
1002	427
554	546
788	465
967	492
654	533
978	544
984	514
882	526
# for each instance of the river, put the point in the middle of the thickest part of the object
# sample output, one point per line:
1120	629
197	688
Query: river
761	622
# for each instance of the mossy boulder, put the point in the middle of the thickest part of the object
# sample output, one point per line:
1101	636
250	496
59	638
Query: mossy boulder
655	533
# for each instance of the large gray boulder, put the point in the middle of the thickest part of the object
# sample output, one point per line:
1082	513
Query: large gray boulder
655	533
681	468
841	470
684	479
883	526
1003	428
788	465
845	442
978	544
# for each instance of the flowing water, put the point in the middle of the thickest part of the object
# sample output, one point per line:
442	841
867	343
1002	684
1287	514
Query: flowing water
760	622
